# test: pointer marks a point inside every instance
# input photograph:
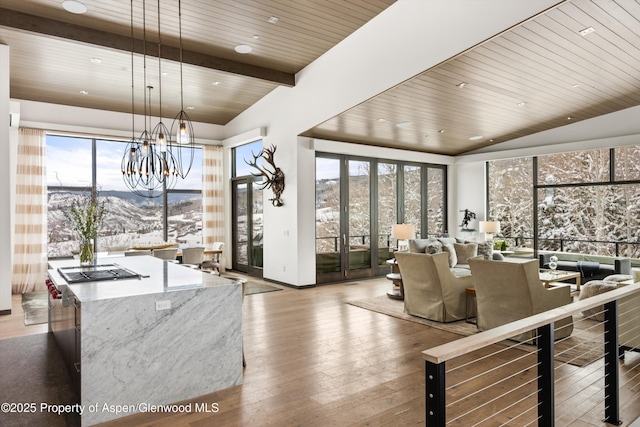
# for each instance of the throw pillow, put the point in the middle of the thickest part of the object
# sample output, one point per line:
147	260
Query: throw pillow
434	247
464	251
451	251
486	250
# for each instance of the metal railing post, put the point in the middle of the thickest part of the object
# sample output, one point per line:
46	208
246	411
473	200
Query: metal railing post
546	389
435	394
611	374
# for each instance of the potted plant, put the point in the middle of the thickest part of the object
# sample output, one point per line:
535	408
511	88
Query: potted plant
86	214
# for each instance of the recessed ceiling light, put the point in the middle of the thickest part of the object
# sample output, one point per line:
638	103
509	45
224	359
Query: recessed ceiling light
521	104
575	85
84	92
190	107
255	37
586	31
569	118
272	19
243	48
461	85
441	131
96	60
74	6
404	124
381	120
216	83
476	138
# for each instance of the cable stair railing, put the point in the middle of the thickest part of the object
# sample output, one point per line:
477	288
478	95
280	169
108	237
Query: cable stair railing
486	380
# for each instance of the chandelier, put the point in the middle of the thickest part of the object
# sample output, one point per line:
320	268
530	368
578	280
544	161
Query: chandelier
153	162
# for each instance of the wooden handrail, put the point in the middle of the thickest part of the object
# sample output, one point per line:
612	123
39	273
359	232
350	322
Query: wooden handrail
451	350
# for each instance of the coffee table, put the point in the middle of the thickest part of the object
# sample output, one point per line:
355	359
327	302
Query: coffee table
548	277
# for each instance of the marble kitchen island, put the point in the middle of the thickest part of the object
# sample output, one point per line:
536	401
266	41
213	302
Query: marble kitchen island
171	334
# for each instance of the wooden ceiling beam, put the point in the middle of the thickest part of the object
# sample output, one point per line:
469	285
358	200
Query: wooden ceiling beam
64	30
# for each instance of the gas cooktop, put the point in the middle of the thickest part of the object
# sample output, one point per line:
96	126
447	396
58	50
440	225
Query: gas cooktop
95	273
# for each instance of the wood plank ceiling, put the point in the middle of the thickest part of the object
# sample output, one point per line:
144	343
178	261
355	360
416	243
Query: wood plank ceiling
538	75
52	51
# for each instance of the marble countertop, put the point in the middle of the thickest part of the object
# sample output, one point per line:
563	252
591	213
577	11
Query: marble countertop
157	277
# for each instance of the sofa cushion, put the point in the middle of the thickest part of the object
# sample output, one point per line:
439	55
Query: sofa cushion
459	271
447	240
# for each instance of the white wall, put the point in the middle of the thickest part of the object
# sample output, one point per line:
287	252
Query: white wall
6	214
468	189
404	40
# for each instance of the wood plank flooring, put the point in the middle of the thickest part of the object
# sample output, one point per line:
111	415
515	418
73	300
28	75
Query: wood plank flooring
313	360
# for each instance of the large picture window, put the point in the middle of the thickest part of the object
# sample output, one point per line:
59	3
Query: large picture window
586	201
78	166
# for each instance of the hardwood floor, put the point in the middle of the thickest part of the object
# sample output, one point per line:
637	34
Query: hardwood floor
313	360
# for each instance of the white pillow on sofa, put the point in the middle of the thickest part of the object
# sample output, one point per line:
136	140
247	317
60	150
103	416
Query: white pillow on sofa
451	251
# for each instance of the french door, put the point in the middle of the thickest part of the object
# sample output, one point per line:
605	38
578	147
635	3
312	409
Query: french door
357	202
346	220
247	226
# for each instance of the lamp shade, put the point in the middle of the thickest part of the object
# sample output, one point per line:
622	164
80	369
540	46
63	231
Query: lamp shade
403	231
492	227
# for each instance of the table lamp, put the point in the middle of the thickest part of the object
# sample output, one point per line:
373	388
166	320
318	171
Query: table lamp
403	232
489	228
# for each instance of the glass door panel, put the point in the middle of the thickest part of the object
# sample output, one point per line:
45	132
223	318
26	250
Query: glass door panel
247	226
435	201
413	198
387	208
359	232
240	231
256	226
328	216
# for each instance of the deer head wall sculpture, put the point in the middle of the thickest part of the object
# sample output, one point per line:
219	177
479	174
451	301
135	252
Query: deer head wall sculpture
273	179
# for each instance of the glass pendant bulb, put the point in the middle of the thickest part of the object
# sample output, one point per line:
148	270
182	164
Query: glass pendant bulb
183	134
161	142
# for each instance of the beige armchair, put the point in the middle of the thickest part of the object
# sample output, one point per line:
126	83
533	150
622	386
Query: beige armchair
430	288
508	291
629	323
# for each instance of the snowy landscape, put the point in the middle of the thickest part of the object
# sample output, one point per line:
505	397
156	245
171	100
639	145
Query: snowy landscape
128	221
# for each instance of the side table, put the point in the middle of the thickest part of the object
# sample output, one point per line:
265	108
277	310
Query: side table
397	291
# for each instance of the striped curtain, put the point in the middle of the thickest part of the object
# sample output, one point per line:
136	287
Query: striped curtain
30	243
212	196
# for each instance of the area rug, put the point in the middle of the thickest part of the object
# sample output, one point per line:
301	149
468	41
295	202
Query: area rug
33	371
256	288
36	307
583	347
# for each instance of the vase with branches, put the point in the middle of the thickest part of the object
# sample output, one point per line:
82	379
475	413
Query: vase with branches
86	215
